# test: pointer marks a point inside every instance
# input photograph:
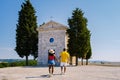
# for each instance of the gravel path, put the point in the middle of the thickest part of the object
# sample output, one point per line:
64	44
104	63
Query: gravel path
73	73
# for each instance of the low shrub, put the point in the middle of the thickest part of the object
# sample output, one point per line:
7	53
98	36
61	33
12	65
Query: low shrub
3	64
32	63
18	63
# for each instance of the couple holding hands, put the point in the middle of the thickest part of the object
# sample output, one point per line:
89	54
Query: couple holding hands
64	60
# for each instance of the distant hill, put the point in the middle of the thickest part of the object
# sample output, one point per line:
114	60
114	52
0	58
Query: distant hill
104	63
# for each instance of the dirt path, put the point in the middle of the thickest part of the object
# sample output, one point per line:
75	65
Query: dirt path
73	73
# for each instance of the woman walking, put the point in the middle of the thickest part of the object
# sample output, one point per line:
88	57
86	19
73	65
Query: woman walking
51	61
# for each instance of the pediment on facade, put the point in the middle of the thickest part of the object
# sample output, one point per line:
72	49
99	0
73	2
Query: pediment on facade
52	25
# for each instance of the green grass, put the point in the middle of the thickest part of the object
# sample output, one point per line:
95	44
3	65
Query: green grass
18	63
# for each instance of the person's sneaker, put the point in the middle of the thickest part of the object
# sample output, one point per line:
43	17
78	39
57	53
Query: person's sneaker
62	73
49	75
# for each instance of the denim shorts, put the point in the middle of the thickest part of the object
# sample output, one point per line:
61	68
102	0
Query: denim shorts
51	62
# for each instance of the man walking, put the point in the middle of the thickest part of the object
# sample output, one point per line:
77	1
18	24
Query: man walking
64	60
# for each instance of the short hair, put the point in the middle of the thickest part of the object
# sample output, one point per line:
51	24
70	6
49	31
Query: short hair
64	49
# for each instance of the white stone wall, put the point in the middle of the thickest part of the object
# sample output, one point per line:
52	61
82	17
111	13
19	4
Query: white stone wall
44	44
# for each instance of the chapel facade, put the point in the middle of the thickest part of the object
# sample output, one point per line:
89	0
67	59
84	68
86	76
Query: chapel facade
51	35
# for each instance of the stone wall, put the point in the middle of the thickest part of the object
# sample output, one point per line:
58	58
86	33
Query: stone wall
44	44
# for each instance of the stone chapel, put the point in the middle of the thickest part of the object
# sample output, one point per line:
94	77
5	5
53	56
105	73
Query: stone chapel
51	35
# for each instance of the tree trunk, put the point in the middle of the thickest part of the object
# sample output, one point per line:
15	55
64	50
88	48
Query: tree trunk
70	60
81	61
26	60
34	58
86	61
76	60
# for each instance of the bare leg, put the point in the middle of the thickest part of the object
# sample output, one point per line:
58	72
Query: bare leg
64	69
52	69
49	68
61	69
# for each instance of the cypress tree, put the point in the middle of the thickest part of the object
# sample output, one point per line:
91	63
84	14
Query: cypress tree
79	35
26	34
88	56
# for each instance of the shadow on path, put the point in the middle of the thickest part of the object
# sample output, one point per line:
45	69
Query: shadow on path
41	76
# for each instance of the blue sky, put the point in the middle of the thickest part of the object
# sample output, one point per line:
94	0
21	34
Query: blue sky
103	22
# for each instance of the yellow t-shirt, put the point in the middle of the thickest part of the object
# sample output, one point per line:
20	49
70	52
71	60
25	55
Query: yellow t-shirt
64	56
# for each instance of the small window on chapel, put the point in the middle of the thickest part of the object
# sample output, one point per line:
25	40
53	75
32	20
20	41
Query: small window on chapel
51	40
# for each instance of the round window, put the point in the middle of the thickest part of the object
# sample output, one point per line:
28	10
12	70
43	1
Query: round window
51	40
